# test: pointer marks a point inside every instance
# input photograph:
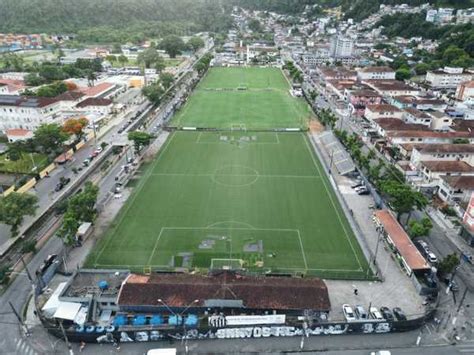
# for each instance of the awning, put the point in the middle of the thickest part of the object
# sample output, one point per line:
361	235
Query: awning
53	303
67	310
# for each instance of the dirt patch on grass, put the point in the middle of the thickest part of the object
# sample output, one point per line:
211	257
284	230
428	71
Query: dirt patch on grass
315	126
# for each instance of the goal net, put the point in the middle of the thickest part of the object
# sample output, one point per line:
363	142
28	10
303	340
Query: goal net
226	264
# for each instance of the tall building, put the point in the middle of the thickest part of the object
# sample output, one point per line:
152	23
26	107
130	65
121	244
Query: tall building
342	47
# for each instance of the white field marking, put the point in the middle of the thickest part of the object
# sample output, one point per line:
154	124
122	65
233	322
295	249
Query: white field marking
277	140
332	201
215	225
240	175
302	250
156	245
142	182
296	231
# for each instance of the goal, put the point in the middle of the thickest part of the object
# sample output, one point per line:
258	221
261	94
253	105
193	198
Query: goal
226	264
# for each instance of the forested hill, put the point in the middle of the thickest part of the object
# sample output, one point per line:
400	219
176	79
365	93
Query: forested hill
360	9
74	15
284	6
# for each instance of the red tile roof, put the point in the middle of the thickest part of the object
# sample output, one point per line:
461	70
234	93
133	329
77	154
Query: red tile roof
179	290
455	166
92	101
395	124
459	182
96	90
401	240
18	132
383	108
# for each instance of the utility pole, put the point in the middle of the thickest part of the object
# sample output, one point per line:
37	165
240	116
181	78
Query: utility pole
26	270
71	352
462	300
17	315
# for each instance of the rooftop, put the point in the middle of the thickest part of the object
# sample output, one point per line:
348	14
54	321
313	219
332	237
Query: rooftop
18	132
416	113
86	282
455	166
368	93
431	134
444	148
402	241
93	101
383	108
390	85
395	124
459	182
97	89
70	96
25	101
377	70
180	290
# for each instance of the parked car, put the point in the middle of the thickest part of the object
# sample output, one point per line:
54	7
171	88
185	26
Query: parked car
357	184
363	192
348	313
386	313
431	257
398	313
375	314
360	312
62	182
46	263
422	247
360	188
454	286
86	162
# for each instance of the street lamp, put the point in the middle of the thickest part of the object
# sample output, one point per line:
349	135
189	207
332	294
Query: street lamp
179	317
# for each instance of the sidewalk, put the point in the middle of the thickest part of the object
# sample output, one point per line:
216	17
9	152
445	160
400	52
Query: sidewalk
397	290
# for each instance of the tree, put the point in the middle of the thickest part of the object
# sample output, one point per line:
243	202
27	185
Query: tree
420	228
91	78
75	126
82	205
421	68
116	48
173	45
195	43
52	90
160	64
14	207
153	93
402	74
33	79
255	25
69	228
49	137
140	139
166	80
448	264
148	57
122	59
111	58
403	199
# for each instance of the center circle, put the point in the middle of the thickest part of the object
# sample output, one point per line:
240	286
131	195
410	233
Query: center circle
235	176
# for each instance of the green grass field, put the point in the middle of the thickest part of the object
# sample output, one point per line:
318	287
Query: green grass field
260	199
257	98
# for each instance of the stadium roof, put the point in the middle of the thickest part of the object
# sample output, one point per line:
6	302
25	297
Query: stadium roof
340	158
401	241
263	292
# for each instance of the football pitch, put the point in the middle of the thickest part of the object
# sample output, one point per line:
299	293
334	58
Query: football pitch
254	98
255	201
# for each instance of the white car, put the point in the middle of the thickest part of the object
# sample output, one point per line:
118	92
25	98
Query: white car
348	313
375	313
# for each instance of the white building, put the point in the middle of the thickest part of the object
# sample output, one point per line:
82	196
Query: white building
447	78
465	16
376	73
373	112
441	152
431	15
464	90
342	47
27	112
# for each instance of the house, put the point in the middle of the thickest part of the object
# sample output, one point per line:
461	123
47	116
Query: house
18	134
420	103
465	90
396	138
338	86
432	170
390	88
458	189
387	124
96	105
439	120
373	112
336	73
441	152
11	86
99	90
361	98
447	78
412	115
376	73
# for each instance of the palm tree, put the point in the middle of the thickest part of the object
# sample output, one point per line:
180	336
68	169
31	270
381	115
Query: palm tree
91	78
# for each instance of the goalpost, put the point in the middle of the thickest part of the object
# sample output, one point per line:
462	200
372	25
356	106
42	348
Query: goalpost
226	264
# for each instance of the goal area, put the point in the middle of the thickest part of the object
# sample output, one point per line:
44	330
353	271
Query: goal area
226	264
